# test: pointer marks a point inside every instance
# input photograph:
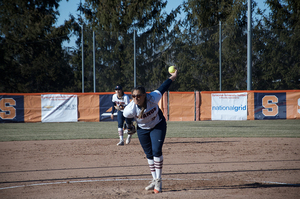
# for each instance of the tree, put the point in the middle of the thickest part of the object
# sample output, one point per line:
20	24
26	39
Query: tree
114	23
196	48
32	58
277	46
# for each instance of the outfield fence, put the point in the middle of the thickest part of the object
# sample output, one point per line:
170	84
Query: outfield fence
176	106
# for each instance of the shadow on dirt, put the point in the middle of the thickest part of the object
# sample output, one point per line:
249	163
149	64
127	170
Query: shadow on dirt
198	142
255	185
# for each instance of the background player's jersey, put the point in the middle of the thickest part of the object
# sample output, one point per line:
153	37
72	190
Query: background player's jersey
122	102
150	117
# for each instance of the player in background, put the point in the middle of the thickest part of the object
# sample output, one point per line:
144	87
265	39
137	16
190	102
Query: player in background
120	100
151	127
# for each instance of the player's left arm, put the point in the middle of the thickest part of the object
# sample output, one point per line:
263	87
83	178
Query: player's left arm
129	113
128	110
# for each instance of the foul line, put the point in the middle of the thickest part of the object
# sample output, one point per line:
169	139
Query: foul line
78	181
111	180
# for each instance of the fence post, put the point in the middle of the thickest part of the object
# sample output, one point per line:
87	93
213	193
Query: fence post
249	48
134	55
82	58
94	61
220	54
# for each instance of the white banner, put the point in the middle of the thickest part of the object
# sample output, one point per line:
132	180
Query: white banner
229	106
59	108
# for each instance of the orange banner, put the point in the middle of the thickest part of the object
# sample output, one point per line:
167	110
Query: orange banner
197	100
292	105
205	106
250	108
181	106
32	108
88	108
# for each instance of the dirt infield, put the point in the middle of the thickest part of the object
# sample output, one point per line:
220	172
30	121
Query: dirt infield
193	168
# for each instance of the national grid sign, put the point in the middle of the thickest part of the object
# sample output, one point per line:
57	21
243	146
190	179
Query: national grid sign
229	106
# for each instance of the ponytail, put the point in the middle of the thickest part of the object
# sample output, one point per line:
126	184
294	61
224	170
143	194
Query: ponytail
143	109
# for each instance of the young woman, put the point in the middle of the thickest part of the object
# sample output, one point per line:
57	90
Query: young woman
151	127
120	100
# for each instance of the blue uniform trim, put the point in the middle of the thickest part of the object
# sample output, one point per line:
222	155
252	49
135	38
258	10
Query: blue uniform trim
165	86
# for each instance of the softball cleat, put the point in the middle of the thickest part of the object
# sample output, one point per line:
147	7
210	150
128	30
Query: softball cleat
158	185
151	185
128	139
121	143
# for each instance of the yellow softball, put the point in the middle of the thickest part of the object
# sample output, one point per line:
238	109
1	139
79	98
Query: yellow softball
172	69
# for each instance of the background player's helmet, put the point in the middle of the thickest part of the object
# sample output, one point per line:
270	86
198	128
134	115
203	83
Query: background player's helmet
118	87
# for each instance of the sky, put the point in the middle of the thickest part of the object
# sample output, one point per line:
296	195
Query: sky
66	8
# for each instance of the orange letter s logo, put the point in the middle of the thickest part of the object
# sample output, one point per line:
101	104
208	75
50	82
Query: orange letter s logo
7	111
270	106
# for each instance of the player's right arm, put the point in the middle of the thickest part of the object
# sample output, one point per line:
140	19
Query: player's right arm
165	86
113	108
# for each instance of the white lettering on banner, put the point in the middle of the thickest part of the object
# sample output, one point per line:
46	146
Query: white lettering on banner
229	106
59	108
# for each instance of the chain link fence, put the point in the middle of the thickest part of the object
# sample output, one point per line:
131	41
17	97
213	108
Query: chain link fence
143	58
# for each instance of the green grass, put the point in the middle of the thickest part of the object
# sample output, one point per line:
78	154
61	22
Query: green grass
249	128
105	130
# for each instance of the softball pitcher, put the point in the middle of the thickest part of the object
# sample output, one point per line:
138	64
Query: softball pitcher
151	127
